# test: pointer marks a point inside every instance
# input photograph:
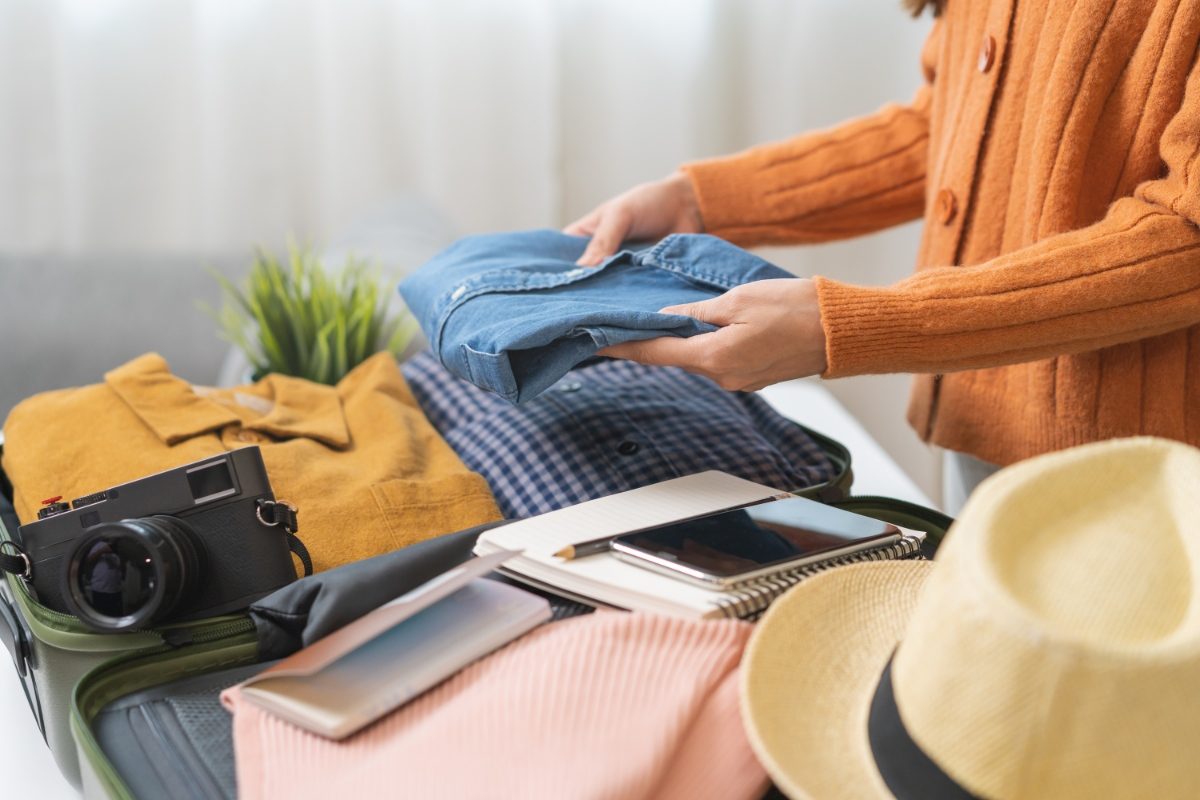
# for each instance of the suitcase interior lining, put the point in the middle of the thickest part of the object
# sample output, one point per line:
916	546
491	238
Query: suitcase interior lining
174	741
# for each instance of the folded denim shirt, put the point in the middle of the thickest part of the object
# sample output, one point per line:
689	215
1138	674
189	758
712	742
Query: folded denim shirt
512	313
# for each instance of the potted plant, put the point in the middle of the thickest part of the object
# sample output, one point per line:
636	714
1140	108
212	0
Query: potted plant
298	318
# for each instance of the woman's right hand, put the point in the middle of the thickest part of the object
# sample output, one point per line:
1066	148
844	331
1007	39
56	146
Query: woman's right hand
648	211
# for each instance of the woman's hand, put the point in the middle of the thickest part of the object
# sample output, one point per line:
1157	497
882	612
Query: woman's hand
770	332
648	211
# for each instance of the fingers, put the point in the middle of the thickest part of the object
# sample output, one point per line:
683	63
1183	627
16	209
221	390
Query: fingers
584	226
710	355
610	232
668	351
717	311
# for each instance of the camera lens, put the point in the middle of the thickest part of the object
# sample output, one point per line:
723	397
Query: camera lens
133	573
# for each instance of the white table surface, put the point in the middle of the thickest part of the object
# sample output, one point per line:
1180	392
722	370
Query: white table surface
30	771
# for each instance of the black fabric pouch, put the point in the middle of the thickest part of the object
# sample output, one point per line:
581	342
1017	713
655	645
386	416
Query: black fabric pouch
303	612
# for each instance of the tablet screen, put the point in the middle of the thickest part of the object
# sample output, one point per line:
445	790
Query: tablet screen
748	539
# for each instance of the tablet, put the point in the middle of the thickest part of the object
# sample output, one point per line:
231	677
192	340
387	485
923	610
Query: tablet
745	544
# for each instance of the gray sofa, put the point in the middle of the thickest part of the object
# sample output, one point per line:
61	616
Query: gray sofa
66	320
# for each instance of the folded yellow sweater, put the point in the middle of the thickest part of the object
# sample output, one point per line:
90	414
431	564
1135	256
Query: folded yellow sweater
365	467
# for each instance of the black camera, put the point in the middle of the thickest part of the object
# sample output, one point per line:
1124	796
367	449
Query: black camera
195	541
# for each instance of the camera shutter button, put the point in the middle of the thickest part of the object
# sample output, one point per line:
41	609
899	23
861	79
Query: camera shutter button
52	506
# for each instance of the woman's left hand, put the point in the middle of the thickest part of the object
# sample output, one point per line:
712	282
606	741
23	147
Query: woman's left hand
770	332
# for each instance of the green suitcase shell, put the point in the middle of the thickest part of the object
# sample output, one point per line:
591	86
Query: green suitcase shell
71	673
132	673
52	651
836	492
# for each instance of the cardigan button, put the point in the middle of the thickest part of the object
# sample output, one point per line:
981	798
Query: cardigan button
987	54
946	206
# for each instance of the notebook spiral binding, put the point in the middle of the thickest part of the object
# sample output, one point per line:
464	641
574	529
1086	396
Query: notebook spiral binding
751	599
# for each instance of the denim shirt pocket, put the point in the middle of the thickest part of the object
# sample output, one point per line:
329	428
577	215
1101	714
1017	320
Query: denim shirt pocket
490	371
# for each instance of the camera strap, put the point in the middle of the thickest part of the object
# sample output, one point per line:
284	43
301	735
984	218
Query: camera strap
286	516
17	562
297	547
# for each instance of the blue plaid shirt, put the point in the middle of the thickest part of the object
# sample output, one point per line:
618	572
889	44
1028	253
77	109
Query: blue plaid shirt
608	426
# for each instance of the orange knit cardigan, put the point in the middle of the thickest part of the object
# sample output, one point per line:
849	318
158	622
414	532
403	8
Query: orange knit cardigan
1055	156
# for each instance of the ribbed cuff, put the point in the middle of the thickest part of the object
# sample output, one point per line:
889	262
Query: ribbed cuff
869	330
727	191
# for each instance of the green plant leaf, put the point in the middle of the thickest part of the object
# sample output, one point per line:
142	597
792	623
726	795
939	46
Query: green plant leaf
358	331
294	317
322	362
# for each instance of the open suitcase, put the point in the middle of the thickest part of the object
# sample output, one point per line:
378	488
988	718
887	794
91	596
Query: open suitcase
137	715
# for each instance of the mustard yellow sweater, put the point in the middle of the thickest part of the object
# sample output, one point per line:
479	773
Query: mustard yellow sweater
1054	155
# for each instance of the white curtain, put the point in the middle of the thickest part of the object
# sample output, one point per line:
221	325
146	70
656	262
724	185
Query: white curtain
211	125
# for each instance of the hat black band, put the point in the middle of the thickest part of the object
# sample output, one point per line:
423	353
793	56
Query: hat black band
907	770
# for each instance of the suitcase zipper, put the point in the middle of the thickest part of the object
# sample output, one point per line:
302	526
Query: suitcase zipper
903	507
233	628
178	637
172	636
65	620
890	501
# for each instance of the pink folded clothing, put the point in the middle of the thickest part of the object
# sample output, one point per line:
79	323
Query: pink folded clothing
610	705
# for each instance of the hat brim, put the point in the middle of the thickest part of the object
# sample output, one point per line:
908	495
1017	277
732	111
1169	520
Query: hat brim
811	669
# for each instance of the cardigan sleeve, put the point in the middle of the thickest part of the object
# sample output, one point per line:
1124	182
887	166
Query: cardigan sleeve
861	176
1133	274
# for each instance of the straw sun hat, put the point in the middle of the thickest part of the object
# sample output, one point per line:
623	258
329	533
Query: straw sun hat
1052	650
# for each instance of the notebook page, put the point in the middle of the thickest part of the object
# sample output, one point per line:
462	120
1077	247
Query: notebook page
603	576
658	504
607	579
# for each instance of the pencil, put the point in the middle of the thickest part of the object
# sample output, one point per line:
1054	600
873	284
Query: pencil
582	549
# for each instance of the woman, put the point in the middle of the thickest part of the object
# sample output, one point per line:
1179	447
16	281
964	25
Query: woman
1054	155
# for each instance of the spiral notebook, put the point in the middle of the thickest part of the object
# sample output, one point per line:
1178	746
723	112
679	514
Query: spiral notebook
604	580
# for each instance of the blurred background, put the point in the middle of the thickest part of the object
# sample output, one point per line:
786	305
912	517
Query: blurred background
145	143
